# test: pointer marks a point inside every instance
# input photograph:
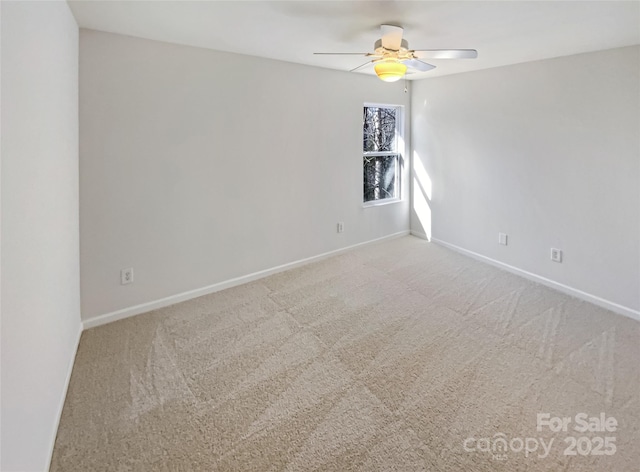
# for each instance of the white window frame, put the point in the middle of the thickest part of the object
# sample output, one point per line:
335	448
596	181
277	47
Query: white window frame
398	154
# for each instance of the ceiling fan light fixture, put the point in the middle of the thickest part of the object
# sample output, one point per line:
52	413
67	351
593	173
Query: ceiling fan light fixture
390	71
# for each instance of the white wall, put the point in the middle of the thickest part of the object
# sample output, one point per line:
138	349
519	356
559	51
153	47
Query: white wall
548	152
198	166
40	229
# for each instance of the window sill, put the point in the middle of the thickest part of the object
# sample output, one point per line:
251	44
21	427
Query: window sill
386	201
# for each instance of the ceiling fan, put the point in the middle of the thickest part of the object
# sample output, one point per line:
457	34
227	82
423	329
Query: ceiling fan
392	55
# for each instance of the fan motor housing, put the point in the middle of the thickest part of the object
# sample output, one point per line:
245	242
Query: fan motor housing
384	53
403	45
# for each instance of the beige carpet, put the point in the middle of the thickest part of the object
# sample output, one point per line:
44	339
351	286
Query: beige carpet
387	358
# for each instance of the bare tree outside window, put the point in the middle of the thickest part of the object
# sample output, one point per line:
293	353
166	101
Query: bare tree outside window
380	153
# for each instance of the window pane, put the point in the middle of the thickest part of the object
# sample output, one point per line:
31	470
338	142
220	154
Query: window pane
380	177
379	129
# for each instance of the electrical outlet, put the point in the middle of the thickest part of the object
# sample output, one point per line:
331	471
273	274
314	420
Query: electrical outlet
502	239
556	255
340	227
126	276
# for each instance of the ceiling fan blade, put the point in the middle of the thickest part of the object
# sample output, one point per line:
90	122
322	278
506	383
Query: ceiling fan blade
360	66
341	53
391	37
419	65
446	53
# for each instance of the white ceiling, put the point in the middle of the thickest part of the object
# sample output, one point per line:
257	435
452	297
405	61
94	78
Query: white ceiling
503	32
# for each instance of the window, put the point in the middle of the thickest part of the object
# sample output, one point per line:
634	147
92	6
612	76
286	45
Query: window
381	156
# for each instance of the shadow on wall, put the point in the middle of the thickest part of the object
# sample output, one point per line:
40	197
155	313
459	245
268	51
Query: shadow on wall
422	189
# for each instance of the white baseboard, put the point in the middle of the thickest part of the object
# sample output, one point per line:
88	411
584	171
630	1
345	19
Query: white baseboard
67	380
574	292
181	297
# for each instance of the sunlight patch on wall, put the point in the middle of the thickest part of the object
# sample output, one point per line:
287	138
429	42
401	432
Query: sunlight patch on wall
421	175
422	193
